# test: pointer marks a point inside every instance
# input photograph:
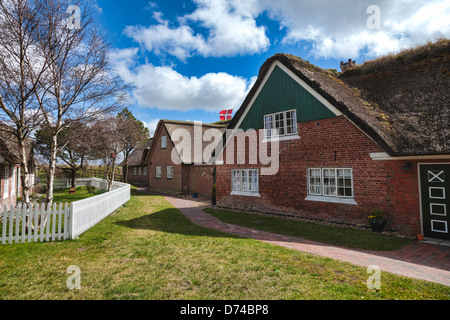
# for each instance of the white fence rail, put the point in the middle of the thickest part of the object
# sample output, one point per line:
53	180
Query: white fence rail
35	223
88	212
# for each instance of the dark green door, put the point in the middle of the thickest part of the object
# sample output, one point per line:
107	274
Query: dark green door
435	189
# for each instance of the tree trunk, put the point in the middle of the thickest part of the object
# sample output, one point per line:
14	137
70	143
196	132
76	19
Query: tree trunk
24	173
51	171
74	177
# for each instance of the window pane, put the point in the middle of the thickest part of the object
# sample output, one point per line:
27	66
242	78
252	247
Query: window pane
291	122
344	182
236	180
164	142
315	185
253	180
279	123
268	125
244	180
329	182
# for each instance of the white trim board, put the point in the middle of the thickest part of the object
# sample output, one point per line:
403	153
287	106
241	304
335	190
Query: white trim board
379	156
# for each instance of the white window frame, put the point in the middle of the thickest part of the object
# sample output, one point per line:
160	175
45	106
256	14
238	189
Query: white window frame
169	172
242	184
272	132
163	142
140	171
134	171
158	172
318	192
145	171
6	183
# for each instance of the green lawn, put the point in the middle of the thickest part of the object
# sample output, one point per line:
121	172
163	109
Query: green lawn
149	250
330	234
63	196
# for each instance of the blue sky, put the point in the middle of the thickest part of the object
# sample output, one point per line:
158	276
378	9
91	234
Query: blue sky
189	59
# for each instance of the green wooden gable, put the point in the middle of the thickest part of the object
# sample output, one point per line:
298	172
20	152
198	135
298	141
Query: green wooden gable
281	93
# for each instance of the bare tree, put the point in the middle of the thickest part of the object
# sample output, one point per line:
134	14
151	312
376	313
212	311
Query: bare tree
21	69
133	133
79	84
108	145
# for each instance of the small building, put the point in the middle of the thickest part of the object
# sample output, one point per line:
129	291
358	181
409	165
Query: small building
375	137
10	182
137	168
176	163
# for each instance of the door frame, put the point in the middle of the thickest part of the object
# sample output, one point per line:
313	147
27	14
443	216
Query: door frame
420	187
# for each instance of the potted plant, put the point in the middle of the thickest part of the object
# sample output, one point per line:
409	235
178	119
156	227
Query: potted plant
213	195
377	220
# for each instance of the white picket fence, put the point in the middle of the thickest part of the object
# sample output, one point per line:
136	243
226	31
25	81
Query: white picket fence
36	223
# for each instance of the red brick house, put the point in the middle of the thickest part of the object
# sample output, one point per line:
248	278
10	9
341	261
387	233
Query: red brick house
137	169
10	184
377	136
172	169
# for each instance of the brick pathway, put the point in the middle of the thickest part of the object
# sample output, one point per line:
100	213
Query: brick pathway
420	260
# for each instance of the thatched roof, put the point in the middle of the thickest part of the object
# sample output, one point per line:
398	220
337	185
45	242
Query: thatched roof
9	147
402	101
136	158
172	125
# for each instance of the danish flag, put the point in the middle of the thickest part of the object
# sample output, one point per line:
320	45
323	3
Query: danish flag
226	114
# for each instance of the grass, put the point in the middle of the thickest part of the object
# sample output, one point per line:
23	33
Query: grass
81	193
335	235
149	250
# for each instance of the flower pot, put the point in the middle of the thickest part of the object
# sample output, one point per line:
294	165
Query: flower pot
377	226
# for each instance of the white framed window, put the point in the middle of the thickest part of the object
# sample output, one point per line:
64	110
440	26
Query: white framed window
330	183
163	142
169	170
6	183
140	171
280	124
13	180
158	172
134	171
145	171
333	182
245	182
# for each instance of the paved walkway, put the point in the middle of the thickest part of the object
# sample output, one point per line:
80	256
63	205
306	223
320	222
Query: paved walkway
420	260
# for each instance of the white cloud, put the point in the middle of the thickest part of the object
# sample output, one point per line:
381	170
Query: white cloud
231	26
332	29
164	88
151	125
338	29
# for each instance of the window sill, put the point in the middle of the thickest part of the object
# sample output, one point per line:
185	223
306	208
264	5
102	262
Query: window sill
331	200
283	138
244	193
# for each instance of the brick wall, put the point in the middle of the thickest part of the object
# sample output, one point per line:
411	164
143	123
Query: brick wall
136	178
325	143
162	157
201	179
405	193
333	143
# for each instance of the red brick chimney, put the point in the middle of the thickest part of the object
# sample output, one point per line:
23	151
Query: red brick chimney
348	65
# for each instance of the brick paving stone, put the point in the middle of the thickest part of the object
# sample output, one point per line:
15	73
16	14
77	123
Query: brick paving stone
420	260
